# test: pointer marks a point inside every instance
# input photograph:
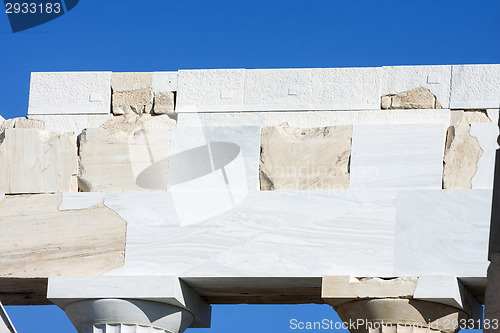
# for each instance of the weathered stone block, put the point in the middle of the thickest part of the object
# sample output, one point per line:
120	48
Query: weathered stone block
463	150
74	123
133	101
419	98
114	156
75	242
164	102
131	81
22	123
35	161
305	159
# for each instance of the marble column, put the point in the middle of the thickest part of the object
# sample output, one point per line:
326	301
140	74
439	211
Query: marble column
400	315
127	316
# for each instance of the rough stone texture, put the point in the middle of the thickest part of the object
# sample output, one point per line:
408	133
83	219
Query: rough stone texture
35	161
305	159
70	93
419	98
164	102
475	86
164	82
138	101
79	242
462	151
22	123
210	90
121	82
492	297
113	156
343	287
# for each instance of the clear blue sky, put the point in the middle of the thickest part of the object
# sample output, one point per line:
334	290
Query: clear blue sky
157	35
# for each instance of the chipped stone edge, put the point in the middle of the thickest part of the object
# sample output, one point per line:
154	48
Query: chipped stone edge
81	200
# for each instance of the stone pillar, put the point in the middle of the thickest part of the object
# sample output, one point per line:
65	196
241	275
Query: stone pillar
127	316
402	304
400	315
129	304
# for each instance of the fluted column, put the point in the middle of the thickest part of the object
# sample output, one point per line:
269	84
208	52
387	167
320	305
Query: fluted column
127	316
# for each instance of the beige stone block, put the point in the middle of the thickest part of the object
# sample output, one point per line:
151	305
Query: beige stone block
164	102
35	161
21	123
74	242
419	98
133	101
123	150
463	150
461	158
127	81
386	102
305	159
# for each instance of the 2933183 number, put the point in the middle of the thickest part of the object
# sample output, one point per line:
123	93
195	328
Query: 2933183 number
32	8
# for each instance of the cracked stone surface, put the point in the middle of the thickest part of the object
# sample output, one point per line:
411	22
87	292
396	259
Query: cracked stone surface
419	98
134	101
114	155
75	242
36	161
462	151
164	102
305	159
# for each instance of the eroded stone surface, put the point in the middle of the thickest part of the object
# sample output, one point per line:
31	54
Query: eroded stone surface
114	156
21	123
164	102
77	242
138	101
305	159
462	152
36	161
131	81
419	98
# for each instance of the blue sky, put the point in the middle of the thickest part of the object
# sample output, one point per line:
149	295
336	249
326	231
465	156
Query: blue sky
158	35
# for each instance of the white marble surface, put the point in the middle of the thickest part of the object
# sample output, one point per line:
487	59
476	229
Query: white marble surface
70	93
475	87
278	89
397	156
397	79
268	234
2	196
442	233
74	123
345	88
80	200
210	90
487	134
309	119
164	81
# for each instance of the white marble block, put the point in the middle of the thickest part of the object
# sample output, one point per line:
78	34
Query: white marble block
475	87
486	134
36	161
164	82
345	89
432	228
397	79
397	156
278	89
210	90
70	93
